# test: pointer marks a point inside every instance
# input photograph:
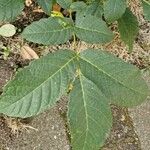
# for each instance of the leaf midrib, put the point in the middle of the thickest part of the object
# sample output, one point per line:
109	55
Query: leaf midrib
86	112
99	32
47	32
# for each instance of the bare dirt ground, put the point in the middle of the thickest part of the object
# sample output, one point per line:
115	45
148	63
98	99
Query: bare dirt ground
49	131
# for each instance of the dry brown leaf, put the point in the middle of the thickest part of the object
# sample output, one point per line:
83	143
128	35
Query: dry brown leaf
28	53
38	10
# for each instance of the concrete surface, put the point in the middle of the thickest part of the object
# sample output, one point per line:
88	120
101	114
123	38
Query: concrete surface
51	134
141	119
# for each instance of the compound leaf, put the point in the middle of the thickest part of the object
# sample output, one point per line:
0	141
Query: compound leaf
49	31
146	9
10	9
119	81
46	5
39	85
100	79
114	9
128	28
92	29
89	115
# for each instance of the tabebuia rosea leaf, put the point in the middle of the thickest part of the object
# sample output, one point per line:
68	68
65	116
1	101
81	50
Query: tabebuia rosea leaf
38	86
10	9
89	115
119	81
114	9
98	79
94	9
92	29
128	28
49	31
46	5
64	3
78	6
146	9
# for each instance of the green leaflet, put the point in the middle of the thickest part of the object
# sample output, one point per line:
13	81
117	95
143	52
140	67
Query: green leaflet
46	5
89	115
49	31
120	82
94	9
78	6
64	3
39	85
10	9
92	29
128	28
114	9
55	30
146	9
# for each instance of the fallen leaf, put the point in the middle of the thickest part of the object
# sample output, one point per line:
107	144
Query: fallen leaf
28	53
7	30
38	10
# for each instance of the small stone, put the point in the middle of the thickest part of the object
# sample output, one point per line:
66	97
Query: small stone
122	118
55	137
119	135
53	127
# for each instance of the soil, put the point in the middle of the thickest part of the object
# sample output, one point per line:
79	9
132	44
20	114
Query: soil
49	130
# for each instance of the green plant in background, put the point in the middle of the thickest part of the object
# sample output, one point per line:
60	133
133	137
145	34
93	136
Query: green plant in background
6	52
146	9
93	79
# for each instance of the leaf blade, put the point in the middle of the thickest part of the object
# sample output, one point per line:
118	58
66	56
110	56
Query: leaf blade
120	82
10	9
114	9
128	28
39	85
146	9
95	9
78	6
48	31
46	5
89	115
64	3
92	30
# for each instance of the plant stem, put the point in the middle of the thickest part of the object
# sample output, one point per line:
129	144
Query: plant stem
70	13
74	43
